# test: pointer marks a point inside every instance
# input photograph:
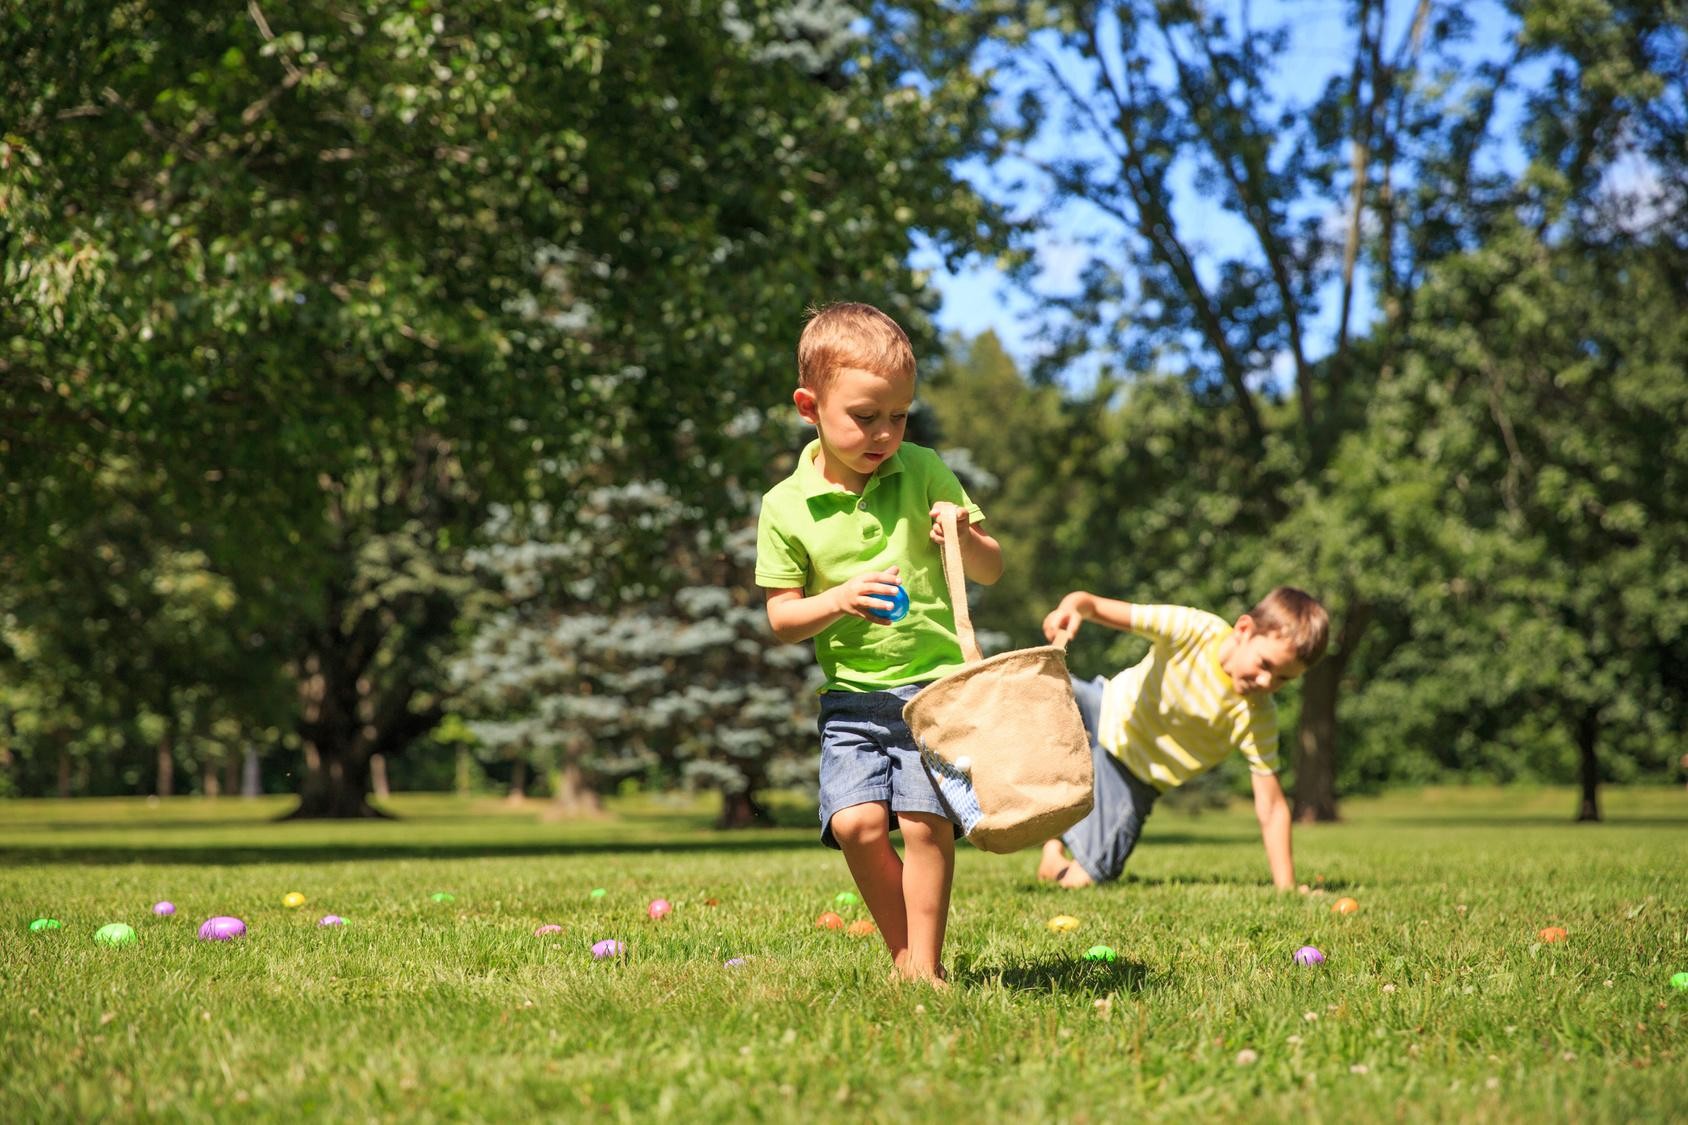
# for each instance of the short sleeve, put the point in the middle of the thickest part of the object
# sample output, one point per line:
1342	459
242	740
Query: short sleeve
943	484
782	563
1257	736
1174	624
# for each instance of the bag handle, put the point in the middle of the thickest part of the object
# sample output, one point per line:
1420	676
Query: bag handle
956	579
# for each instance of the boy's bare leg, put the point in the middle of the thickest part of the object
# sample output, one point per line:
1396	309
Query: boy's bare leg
1053	861
864	834
928	872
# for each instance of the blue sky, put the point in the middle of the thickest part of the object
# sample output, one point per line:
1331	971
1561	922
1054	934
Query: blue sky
978	297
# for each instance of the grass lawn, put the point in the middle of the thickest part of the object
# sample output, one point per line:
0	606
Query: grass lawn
1438	1000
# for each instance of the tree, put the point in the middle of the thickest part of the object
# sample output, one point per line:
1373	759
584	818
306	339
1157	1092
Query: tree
1547	394
684	682
348	278
1110	114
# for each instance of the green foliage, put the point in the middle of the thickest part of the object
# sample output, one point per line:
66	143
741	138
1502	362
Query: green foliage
1537	434
342	280
583	672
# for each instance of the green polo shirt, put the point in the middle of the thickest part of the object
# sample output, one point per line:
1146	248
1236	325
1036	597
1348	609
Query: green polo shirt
815	535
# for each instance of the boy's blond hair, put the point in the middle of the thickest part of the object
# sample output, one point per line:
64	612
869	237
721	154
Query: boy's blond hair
851	334
1296	616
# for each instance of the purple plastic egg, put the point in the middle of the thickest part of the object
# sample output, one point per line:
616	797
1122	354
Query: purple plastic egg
222	928
1307	955
332	920
547	929
735	962
163	908
609	947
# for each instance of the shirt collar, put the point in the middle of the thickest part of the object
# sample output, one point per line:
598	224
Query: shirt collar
814	484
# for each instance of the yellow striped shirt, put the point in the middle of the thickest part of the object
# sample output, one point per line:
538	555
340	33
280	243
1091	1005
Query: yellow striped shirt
1176	713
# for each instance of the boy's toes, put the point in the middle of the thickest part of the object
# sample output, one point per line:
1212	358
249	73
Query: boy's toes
1074	876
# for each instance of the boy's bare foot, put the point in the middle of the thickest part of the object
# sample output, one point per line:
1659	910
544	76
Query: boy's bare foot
1074	876
1053	861
937	978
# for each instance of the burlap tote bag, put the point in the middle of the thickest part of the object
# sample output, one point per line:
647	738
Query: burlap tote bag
1001	738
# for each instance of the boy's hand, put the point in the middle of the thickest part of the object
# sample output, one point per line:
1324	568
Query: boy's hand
868	596
1065	618
961	521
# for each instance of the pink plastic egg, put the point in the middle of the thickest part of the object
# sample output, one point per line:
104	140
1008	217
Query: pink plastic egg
222	928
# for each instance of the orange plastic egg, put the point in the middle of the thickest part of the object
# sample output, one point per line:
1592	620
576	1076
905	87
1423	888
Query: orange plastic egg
1344	906
829	921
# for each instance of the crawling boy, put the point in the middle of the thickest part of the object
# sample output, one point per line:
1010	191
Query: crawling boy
1204	690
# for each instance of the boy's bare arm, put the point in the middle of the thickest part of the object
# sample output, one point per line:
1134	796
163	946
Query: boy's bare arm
981	556
795	618
1272	811
1081	606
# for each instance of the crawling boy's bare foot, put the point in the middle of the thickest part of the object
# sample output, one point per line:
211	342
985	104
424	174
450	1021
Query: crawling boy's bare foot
1052	862
1074	876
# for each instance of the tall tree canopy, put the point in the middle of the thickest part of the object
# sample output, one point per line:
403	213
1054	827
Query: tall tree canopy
341	277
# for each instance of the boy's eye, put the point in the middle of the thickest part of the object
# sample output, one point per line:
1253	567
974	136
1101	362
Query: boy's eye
863	417
899	417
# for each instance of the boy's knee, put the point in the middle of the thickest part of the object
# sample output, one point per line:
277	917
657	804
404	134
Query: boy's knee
926	828
860	825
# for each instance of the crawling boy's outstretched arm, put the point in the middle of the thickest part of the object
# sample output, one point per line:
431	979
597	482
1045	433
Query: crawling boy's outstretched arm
1272	811
1081	606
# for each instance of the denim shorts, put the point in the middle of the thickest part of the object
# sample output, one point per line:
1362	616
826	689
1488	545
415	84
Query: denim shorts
868	754
1102	841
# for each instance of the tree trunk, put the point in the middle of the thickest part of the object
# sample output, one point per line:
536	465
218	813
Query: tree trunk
336	786
210	784
1315	743
64	770
518	782
740	810
461	784
1315	740
231	774
378	776
1588	739
7	733
166	764
251	780
572	795
345	719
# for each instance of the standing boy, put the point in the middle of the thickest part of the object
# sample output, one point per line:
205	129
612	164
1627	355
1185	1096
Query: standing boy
856	520
1204	690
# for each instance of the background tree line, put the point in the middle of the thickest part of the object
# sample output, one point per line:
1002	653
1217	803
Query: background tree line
395	385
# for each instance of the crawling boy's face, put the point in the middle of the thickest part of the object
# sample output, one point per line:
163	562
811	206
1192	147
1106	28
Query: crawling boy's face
1259	663
861	416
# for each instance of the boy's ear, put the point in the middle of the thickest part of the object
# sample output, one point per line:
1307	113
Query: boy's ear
1245	627
808	406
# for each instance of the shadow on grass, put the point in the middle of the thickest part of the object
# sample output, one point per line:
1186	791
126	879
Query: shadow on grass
1505	821
318	852
1257	882
1058	975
